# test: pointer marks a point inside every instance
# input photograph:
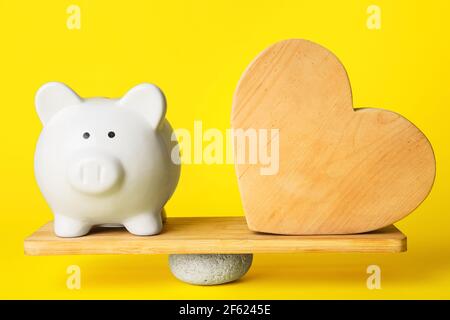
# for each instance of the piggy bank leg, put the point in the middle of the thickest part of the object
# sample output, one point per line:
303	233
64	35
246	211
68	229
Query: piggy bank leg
66	227
144	224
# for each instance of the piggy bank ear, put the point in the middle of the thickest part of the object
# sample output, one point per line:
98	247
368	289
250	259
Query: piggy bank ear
53	97
147	100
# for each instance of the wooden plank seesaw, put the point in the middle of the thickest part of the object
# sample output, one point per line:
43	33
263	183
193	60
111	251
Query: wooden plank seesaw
209	235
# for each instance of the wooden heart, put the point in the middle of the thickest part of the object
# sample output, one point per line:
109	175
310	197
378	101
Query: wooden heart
340	170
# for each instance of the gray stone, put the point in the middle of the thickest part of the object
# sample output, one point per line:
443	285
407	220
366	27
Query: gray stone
209	269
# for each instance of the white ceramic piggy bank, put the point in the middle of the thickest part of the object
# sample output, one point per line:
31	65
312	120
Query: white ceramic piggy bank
105	161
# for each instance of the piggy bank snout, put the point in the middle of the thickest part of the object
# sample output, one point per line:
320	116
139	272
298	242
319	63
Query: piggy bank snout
95	173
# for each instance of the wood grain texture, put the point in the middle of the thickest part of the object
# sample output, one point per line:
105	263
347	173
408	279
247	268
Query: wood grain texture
208	235
341	170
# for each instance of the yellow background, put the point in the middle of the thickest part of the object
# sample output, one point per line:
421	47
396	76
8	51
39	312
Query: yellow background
196	51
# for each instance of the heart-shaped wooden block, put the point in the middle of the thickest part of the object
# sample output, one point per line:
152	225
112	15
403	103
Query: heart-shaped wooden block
341	170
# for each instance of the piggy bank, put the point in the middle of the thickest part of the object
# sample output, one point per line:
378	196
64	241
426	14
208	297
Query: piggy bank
102	161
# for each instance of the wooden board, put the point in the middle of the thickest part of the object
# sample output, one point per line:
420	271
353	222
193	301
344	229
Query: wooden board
208	235
341	170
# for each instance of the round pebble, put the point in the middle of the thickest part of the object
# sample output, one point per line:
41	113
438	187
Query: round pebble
209	269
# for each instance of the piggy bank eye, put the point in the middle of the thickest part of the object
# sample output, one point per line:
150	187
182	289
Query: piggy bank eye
86	135
111	134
